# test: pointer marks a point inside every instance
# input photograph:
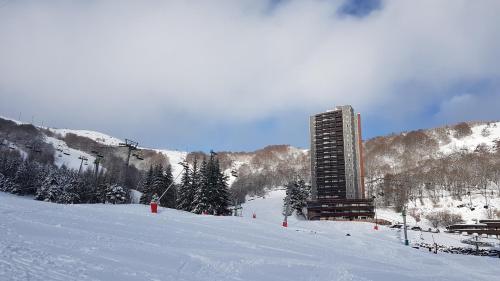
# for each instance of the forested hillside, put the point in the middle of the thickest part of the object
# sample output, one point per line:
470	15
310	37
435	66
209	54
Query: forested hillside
457	161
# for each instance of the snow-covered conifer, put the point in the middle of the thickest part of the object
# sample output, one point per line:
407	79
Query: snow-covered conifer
201	202
115	194
184	198
297	193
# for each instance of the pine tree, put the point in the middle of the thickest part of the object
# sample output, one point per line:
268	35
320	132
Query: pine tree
115	194
201	202
9	163
86	186
100	193
221	193
9	186
147	187
25	178
49	191
195	183
183	198
211	184
170	198
158	184
60	186
68	182
22	177
2	181
212	194
297	193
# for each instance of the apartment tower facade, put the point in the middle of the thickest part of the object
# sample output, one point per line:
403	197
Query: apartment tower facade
337	166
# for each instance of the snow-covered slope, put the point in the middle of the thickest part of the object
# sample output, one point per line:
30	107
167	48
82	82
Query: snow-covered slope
175	158
15	147
13	120
45	241
482	134
69	157
93	135
397	152
269	209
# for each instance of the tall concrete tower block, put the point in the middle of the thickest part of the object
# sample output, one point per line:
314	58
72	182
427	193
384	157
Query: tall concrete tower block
337	158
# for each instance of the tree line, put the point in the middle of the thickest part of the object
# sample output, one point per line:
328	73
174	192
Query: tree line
47	182
459	175
203	188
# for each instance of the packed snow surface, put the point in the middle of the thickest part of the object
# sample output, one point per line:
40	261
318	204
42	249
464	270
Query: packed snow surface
46	241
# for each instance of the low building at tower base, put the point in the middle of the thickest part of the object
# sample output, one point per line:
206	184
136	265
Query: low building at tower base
341	209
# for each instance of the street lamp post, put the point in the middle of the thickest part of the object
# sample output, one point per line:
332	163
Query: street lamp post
404	226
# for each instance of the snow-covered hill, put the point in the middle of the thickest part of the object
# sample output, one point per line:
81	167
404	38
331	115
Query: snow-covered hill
272	166
69	157
482	134
398	152
93	135
176	158
45	241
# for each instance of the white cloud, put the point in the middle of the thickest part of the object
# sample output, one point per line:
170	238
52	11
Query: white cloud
94	60
468	107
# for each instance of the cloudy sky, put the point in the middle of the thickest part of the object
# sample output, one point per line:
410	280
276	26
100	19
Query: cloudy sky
239	75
